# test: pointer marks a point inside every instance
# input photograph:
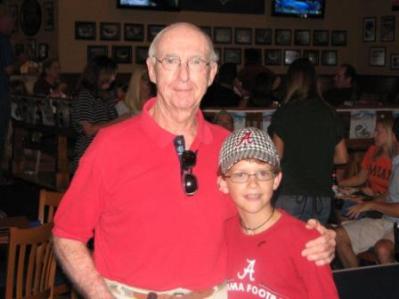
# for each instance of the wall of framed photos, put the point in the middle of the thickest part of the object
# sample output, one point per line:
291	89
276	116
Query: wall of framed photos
86	28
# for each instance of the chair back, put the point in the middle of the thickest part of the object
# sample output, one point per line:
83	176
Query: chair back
30	263
48	203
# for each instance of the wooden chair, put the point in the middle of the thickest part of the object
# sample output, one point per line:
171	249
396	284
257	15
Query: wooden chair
30	263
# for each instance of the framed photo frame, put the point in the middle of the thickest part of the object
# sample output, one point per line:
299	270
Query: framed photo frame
141	54
321	38
110	31
369	29
273	57
377	56
232	55
243	36
387	32
395	61
153	30
133	32
283	37
302	37
122	54
49	15
338	38
263	36
96	50
207	30
329	57
42	52
85	30
312	55
291	55
222	35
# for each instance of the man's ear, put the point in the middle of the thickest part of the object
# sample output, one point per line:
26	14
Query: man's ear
277	180
212	72
222	185
151	69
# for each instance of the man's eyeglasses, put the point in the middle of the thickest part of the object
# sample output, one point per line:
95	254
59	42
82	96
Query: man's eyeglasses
172	63
243	177
188	160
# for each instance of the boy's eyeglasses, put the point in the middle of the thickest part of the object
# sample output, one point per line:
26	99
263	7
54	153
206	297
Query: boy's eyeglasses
188	160
243	177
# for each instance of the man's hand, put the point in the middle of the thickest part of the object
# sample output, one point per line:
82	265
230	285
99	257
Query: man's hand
354	211
322	249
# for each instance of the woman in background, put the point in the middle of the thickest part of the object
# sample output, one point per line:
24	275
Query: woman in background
309	138
49	80
139	91
91	110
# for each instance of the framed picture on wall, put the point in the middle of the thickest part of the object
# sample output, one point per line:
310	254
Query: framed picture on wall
243	36
110	31
85	30
122	54
329	58
232	55
387	33
283	37
133	32
42	52
302	37
338	38
222	35
291	55
312	55
141	55
263	36
152	30
377	56
321	37
96	50
395	61
273	57
369	29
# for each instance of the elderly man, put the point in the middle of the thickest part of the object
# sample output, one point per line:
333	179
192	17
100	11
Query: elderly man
147	190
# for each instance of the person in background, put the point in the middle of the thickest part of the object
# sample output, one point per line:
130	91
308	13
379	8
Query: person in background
249	170
90	110
309	137
120	89
224	119
359	235
49	79
6	69
221	93
139	91
345	86
375	171
146	188
262	92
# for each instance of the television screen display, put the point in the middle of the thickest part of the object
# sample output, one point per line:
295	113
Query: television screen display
149	4
298	8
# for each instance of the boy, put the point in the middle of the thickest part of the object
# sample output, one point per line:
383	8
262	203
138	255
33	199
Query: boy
264	244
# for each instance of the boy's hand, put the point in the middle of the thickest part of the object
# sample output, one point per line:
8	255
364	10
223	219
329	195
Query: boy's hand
322	249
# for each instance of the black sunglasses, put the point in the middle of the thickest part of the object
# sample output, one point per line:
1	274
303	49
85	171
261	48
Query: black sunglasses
188	160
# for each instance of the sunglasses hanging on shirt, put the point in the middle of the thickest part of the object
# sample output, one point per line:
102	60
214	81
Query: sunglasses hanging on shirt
187	162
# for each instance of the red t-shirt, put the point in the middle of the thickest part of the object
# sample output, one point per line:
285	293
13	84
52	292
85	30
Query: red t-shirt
270	265
379	170
148	233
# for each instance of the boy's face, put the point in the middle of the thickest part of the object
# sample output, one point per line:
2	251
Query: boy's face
252	196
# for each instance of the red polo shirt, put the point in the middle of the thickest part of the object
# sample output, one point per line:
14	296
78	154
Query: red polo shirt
148	233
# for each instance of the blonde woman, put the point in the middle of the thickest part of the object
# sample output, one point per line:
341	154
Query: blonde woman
309	138
139	90
375	170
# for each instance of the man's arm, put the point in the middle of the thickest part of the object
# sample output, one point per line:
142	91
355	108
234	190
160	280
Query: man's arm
322	249
78	264
340	153
386	208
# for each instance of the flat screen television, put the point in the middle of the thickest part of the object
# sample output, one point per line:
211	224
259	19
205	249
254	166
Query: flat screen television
299	8
149	4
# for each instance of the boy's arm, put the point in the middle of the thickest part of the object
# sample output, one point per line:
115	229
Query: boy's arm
320	250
